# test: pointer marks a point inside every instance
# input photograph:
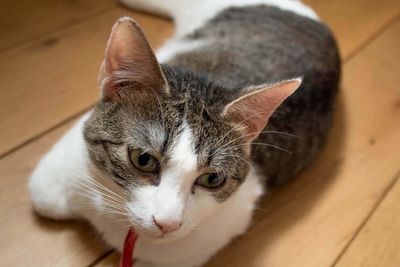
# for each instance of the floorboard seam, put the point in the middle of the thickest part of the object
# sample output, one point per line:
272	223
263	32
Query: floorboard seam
396	178
373	37
40	135
102	257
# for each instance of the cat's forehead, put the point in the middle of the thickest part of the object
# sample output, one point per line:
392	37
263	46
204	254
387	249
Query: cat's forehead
183	123
156	123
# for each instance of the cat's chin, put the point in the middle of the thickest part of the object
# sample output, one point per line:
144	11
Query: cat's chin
161	238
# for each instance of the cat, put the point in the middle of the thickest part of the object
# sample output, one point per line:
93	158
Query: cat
182	150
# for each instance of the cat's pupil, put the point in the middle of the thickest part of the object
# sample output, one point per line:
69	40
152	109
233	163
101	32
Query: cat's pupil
144	159
213	179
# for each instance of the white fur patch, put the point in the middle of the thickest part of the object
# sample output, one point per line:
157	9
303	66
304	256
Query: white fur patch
182	155
177	178
168	201
176	46
191	15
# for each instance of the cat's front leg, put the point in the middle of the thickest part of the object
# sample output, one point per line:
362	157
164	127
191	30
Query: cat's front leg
48	191
53	183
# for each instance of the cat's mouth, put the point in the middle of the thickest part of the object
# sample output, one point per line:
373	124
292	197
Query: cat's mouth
157	237
153	234
149	234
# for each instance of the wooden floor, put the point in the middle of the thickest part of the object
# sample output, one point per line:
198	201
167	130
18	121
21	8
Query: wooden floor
344	210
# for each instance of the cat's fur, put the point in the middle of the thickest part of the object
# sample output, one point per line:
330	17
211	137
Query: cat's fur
198	112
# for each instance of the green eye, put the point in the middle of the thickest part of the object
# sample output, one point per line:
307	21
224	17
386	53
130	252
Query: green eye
143	161
210	180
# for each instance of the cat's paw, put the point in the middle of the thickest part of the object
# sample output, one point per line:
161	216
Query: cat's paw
48	192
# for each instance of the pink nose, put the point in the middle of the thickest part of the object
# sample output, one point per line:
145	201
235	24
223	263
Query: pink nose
167	226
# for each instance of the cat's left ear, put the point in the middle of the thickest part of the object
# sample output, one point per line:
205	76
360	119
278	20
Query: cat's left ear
253	109
129	59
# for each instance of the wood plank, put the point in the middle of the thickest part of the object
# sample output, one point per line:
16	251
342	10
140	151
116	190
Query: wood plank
378	244
27	240
22	21
309	221
47	81
354	22
28	19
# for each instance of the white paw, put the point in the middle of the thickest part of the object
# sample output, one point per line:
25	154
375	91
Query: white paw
48	192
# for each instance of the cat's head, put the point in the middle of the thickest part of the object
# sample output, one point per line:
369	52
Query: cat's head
176	145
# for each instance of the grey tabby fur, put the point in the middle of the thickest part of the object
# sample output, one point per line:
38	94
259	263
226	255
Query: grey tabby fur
245	46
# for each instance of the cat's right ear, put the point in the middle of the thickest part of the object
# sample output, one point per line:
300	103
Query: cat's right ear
254	108
129	59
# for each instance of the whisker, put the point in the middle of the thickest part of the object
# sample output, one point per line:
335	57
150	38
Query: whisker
234	128
272	132
274	146
106	210
93	181
282	133
93	189
106	201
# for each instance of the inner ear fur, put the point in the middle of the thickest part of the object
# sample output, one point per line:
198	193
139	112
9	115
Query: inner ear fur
253	109
129	58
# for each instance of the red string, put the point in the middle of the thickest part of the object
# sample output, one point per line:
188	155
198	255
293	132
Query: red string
129	245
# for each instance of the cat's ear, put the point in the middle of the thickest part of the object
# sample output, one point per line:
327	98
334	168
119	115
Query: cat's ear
253	109
129	59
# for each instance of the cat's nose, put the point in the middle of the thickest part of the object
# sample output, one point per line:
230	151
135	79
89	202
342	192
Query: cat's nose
167	226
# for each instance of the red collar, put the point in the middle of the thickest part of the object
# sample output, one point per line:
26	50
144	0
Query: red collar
129	245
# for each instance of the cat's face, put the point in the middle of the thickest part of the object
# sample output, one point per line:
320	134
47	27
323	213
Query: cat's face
177	162
177	146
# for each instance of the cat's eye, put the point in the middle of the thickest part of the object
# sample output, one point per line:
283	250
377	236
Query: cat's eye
143	161
210	180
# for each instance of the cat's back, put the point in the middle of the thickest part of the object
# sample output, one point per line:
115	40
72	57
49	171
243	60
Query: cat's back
256	44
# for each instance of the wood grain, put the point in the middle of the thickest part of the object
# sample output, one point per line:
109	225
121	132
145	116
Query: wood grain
24	20
378	244
49	80
355	22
